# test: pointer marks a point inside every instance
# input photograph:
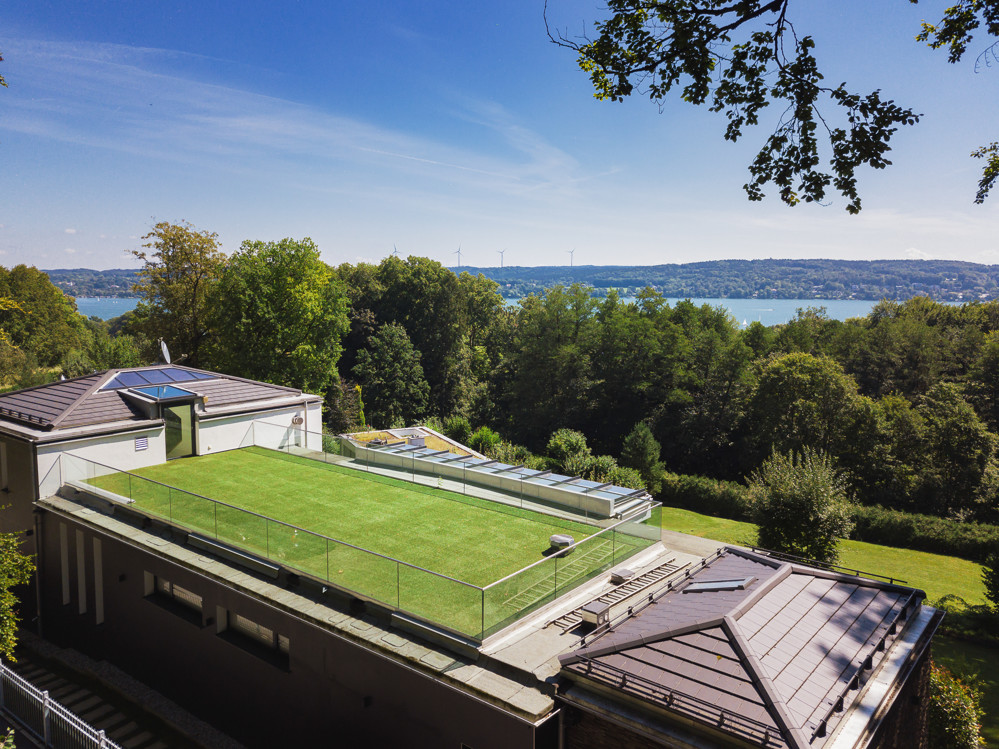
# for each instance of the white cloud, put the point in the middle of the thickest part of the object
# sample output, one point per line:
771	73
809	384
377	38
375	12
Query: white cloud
69	251
70	231
916	254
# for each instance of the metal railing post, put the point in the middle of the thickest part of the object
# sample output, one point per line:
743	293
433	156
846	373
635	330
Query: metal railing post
103	739
47	732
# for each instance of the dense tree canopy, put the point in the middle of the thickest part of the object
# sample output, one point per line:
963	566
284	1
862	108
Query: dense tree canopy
278	314
179	270
389	370
741	56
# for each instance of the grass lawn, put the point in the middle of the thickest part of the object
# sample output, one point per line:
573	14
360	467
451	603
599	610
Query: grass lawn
936	574
470	539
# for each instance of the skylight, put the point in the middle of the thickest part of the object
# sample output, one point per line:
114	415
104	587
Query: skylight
711	586
158	376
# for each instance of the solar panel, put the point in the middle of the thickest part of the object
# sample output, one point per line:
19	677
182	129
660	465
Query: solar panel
156	376
130	379
178	375
203	376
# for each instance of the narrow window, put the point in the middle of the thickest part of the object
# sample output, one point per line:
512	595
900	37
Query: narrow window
173	598
4	479
81	572
98	582
64	562
254	638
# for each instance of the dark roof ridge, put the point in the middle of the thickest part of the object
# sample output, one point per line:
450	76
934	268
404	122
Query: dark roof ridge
793	736
101	381
591	652
50	384
783	572
753	555
845	577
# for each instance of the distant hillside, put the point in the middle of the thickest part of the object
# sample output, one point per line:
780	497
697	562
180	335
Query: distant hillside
945	280
86	282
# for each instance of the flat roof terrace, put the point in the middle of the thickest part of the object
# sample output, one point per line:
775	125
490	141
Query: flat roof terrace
464	563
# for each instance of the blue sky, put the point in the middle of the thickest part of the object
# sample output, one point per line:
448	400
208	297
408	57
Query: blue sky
368	125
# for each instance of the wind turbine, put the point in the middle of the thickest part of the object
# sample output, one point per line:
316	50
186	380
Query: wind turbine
458	253
572	254
501	252
395	250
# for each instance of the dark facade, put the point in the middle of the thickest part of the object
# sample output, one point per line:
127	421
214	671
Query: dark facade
309	686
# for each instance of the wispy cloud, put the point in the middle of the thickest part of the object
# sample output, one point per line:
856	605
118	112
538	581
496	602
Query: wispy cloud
129	100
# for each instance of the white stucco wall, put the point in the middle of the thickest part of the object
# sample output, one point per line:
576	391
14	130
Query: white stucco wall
114	451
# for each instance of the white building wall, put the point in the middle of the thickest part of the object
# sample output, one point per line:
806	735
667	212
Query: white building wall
107	453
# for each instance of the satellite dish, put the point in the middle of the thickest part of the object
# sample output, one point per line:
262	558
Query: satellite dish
165	351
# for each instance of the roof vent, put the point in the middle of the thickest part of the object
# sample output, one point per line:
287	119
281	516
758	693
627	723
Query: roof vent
141	443
710	586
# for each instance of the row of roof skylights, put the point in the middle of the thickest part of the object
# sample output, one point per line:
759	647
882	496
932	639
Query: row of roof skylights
530	475
158	376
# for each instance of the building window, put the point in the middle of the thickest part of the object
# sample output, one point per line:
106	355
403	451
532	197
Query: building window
4	478
254	637
174	598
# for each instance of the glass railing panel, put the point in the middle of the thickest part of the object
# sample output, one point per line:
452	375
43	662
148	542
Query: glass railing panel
363	572
192	511
149	495
441	600
517	595
242	529
297	548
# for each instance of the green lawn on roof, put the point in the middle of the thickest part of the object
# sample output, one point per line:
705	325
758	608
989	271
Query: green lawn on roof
470	539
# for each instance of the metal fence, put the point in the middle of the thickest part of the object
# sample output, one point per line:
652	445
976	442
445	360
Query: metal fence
32	710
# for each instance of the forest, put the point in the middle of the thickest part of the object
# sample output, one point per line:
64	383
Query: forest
944	280
905	400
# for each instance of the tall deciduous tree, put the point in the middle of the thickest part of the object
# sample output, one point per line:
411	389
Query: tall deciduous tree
278	314
741	56
43	322
180	267
391	376
15	569
801	401
799	504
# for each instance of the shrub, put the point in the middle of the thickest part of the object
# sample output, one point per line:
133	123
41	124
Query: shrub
627	477
937	535
955	712
457	428
725	499
484	440
599	468
799	505
515	455
990	576
569	452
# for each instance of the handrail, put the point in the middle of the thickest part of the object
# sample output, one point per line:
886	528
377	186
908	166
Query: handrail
279	522
628	519
49	708
826	565
673	698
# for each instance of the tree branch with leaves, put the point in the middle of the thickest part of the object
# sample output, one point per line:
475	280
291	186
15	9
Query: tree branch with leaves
739	57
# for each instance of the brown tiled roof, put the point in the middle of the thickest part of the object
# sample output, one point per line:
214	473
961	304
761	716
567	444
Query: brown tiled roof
82	402
773	663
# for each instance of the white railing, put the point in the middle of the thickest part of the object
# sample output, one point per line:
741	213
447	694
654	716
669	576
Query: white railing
33	711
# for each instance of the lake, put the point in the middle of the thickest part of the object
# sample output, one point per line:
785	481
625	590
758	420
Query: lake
105	307
766	311
774	311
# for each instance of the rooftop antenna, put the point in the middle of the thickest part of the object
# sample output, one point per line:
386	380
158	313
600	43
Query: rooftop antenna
501	252
165	351
458	253
572	254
